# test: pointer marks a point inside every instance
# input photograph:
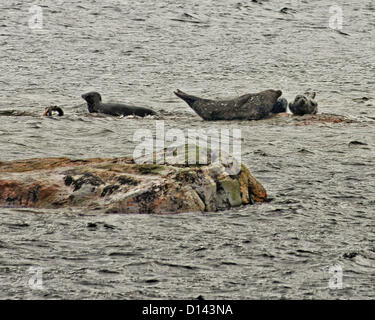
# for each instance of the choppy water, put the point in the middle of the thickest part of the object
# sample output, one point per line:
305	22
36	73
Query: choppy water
138	52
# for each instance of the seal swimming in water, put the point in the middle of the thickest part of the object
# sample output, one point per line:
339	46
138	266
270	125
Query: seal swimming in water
94	104
304	104
48	111
246	107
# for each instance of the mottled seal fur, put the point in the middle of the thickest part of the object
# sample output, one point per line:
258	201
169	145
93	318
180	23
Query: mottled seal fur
95	105
246	107
304	104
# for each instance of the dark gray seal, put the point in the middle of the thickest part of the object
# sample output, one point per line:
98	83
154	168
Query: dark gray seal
95	105
304	104
246	107
280	106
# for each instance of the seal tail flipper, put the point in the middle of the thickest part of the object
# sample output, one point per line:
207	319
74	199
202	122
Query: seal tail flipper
186	97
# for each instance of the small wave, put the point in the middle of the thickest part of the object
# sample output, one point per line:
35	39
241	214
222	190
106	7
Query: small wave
15	113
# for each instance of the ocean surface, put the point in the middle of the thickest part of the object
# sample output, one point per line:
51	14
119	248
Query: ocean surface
320	224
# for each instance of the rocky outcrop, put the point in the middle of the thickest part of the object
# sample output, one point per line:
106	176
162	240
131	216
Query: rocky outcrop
122	186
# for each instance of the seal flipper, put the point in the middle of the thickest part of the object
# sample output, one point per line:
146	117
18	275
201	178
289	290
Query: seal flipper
189	99
240	101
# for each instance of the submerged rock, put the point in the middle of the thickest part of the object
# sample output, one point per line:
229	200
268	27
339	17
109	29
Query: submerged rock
309	119
122	186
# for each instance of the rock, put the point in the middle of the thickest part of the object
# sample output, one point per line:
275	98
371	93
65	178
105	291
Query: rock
350	255
122	186
320	118
308	119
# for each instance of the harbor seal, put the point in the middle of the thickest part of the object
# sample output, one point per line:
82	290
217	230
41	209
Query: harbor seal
95	105
304	104
280	106
246	107
48	111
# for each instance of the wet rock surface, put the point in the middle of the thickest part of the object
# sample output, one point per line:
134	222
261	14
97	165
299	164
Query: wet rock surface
310	119
122	186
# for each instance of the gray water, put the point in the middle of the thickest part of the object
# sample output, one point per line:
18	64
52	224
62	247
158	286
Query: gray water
137	52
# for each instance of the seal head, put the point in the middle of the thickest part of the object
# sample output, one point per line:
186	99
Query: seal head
49	110
280	106
304	104
93	100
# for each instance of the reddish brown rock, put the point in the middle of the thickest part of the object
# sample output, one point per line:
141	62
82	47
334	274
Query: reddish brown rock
121	186
309	119
320	118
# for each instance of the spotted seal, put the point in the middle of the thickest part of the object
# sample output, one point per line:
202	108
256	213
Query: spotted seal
246	107
304	104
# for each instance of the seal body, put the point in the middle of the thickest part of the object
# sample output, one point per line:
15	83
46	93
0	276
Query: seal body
304	104
95	105
246	107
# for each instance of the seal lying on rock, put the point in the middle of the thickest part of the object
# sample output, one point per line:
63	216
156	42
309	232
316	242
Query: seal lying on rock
304	104
94	104
246	107
280	106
